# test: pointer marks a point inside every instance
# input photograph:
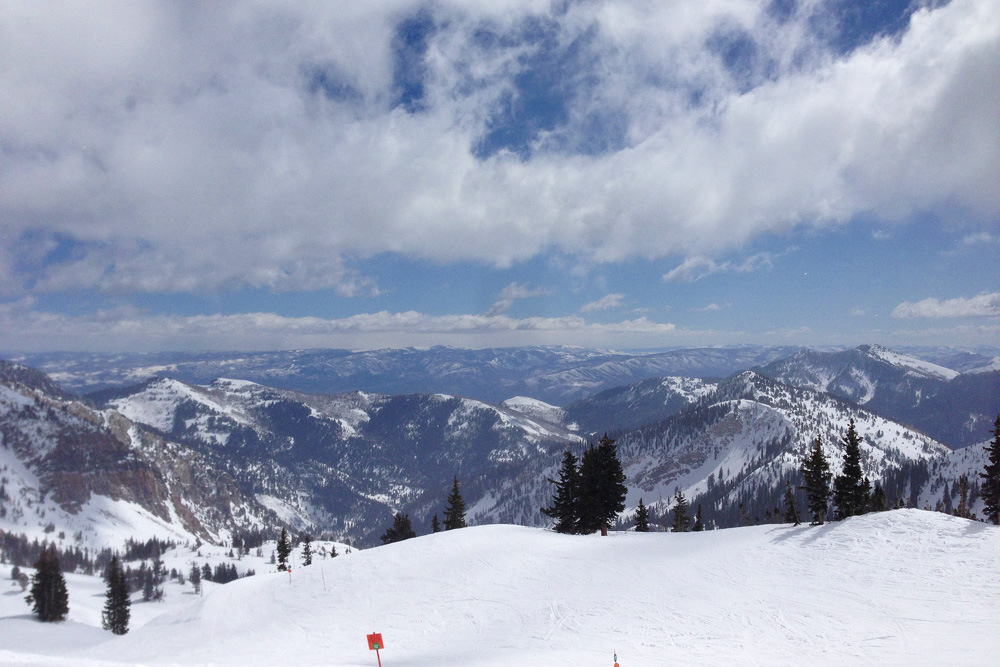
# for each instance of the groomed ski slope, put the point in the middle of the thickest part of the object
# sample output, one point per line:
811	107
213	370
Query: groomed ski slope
899	588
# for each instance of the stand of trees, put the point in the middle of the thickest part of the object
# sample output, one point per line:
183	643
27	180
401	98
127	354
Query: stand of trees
590	497
400	530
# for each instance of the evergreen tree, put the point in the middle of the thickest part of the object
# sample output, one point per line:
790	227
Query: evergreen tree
791	512
602	487
641	518
816	471
878	502
148	588
682	521
435	525
48	597
284	551
117	603
401	529
454	513
699	525
195	577
307	552
989	489
852	491
566	501
963	498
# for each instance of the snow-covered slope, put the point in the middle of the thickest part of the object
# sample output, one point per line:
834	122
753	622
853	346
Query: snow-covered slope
742	442
957	409
87	477
897	588
345	463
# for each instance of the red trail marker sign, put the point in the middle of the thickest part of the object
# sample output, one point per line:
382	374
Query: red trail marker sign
374	644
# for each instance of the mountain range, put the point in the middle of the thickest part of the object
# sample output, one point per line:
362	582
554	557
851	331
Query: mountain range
216	459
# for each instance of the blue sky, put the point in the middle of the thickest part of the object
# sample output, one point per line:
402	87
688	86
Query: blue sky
613	174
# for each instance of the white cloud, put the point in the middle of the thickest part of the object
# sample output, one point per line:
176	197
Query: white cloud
24	328
511	293
697	267
711	308
981	305
180	146
606	302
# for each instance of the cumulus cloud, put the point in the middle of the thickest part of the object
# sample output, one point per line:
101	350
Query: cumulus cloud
606	302
981	305
174	146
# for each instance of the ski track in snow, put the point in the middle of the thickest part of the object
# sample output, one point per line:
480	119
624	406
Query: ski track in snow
898	588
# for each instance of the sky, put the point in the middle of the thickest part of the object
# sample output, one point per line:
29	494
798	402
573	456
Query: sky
621	174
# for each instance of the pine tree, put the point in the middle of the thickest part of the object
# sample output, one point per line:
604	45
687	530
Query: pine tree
816	471
284	551
699	525
435	525
878	502
307	552
401	529
48	596
682	521
566	501
602	487
195	577
117	602
852	491
791	512
963	498
641	518
990	487
454	513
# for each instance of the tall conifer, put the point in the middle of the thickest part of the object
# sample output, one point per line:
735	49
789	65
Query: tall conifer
852	490
816	471
791	512
454	513
117	604
641	518
284	550
48	598
699	525
682	520
565	507
990	487
602	486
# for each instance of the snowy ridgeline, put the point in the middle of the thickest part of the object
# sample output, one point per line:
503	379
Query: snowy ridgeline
898	588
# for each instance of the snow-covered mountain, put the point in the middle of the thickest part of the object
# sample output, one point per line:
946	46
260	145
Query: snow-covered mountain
100	477
633	405
895	588
955	408
557	375
344	463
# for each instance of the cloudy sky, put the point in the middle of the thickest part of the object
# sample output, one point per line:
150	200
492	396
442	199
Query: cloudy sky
620	173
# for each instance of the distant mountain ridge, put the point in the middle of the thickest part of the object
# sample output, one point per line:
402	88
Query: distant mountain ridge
556	375
958	409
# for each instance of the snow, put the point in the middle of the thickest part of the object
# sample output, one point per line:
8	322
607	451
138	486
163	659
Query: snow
535	409
898	588
994	365
912	363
